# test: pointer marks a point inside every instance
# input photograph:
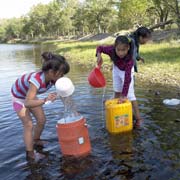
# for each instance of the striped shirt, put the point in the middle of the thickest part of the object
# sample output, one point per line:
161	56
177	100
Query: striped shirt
22	84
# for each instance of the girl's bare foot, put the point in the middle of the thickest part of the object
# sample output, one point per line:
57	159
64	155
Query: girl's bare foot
34	156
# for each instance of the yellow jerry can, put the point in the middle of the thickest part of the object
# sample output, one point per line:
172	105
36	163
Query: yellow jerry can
118	116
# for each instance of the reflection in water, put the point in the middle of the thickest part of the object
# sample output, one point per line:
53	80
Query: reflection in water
121	145
151	152
78	168
103	102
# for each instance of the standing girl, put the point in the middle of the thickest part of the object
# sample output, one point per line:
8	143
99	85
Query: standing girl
25	100
123	82
141	36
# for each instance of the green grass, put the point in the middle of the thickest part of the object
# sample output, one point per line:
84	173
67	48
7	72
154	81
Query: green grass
162	60
162	63
80	52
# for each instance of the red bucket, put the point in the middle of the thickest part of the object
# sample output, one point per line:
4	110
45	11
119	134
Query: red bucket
96	78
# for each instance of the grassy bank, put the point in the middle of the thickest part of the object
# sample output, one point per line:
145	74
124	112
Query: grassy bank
162	60
162	63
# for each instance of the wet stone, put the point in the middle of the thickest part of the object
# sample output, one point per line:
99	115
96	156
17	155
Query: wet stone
123	170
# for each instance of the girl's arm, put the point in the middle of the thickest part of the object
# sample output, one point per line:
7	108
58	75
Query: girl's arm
127	78
140	59
103	49
99	59
31	99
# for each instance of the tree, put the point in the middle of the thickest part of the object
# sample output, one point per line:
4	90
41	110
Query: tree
2	30
54	18
174	6
13	28
99	14
158	11
68	10
38	19
80	22
132	12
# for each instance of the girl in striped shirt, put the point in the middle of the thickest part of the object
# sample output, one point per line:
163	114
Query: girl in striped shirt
25	100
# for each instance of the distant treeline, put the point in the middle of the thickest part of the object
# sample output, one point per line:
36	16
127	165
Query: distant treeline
81	17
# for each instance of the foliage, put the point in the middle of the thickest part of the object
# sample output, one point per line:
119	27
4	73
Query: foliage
158	11
37	19
75	17
99	14
133	12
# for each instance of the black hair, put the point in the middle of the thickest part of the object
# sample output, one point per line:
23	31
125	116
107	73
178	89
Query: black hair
54	62
122	40
141	31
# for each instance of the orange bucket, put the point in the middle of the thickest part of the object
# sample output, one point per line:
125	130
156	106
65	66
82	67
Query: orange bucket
96	78
73	137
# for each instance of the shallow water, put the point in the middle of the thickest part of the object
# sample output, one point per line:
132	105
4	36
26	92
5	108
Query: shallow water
150	152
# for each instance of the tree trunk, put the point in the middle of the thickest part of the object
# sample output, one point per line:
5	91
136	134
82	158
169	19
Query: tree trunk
99	25
161	24
178	23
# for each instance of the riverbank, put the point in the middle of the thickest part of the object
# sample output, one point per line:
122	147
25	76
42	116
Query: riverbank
162	60
162	55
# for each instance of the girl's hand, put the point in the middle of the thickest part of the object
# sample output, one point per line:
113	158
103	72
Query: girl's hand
99	59
51	97
142	60
122	99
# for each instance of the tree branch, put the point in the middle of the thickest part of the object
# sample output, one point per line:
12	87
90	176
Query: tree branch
161	24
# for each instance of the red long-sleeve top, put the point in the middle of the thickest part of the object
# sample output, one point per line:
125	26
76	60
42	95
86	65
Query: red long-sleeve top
124	64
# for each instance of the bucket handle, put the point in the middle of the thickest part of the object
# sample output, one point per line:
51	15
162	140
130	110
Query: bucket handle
98	66
87	125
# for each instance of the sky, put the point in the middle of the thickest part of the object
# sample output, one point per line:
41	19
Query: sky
17	8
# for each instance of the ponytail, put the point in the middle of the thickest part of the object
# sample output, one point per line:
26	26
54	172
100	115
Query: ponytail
54	62
47	56
143	32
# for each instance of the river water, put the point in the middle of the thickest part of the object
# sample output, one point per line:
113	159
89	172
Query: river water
149	152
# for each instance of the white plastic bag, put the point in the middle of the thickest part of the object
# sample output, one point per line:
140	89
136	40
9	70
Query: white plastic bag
171	102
